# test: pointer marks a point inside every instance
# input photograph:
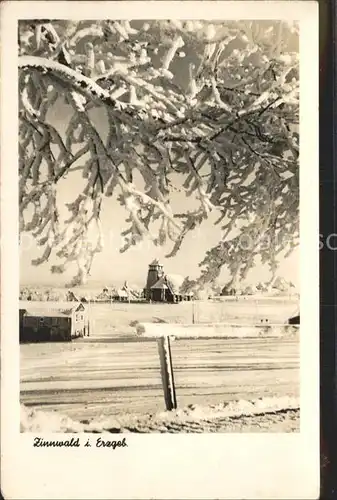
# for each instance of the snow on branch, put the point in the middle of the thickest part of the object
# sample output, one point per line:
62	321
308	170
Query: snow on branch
67	75
221	128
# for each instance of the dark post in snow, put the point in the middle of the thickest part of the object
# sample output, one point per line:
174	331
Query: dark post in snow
166	369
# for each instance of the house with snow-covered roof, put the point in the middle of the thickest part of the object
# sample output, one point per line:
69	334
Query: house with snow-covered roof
61	321
121	295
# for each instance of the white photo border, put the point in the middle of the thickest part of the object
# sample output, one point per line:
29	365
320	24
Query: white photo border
164	466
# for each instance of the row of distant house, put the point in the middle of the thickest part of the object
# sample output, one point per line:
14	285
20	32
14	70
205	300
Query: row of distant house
124	294
160	287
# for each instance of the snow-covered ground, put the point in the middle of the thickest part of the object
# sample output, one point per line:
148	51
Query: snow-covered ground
120	318
265	414
113	374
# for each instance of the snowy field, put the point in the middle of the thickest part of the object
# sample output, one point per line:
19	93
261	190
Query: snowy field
112	373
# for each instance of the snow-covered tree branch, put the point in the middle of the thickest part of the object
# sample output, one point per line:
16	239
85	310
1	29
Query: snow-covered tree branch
229	132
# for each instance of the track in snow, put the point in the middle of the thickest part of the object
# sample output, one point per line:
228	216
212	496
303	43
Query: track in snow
85	379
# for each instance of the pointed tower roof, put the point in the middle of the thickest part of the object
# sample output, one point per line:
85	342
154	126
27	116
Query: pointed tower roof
155	263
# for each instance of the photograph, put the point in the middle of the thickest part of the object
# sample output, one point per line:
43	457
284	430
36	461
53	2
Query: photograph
159	225
159	241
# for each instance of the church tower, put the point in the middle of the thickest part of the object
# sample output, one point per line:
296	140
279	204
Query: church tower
155	272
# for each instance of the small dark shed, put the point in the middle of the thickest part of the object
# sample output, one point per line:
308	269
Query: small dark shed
295	320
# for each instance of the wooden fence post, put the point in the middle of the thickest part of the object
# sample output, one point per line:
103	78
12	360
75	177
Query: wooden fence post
166	369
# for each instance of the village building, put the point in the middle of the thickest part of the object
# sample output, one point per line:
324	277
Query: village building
161	287
155	272
121	295
105	295
188	296
167	289
71	297
61	322
128	293
295	318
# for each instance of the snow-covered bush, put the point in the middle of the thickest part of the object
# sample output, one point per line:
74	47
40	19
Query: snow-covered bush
230	134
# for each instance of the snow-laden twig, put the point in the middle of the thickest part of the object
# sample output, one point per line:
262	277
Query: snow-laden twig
139	82
27	103
148	200
176	44
217	97
67	75
91	31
